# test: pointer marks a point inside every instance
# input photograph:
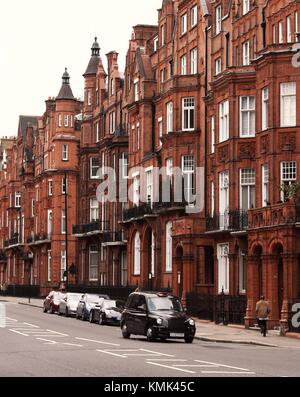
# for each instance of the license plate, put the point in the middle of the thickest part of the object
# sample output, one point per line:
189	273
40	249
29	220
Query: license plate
175	335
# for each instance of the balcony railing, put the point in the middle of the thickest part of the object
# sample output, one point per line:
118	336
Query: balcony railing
113	237
137	212
121	130
13	241
280	214
232	221
93	227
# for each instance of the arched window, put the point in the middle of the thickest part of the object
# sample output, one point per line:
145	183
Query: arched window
137	255
169	259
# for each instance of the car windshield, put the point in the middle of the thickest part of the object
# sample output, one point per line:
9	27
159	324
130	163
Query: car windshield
93	299
164	303
109	304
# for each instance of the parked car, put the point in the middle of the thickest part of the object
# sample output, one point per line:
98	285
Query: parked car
86	303
157	316
68	305
51	303
109	311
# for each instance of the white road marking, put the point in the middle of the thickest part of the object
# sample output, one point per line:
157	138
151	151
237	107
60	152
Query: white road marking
169	367
72	344
110	353
17	332
97	341
51	342
228	372
32	325
58	333
222	365
160	354
168	360
196	365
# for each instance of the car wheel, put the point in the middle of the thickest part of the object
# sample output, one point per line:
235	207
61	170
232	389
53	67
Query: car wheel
163	339
149	334
77	316
91	317
51	310
67	313
45	310
189	340
126	335
82	316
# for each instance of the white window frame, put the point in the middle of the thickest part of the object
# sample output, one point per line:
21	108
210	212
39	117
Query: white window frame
136	90
265	109
224	199
137	255
246	6
194	60
265	185
183	20
170	120
218	19
18	197
242	272
212	199
93	167
63	222
66	120
280	32
64	185
149	185
63	263
218	66
155	43
169	247
194	16
93	250
59	120
288	92
249	113
94	210
288	174
224	121
246	53
65	152
188	173
247	182
49	266
212	135
97	132
223	268
125	165
188	108
50	187
289	37
160	129
183	65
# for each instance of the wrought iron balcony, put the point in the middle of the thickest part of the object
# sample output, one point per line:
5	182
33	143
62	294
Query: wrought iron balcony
113	237
137	212
89	228
121	130
15	240
229	221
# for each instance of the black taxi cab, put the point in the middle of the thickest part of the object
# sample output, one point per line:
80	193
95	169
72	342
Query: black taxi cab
156	315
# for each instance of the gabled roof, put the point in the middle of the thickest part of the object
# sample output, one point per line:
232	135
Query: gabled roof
24	122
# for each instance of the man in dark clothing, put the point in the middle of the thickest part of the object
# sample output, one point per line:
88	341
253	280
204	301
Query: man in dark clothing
262	313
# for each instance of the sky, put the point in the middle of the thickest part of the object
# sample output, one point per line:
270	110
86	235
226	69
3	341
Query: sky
39	38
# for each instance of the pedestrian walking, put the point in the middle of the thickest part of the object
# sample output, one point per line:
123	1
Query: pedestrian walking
262	313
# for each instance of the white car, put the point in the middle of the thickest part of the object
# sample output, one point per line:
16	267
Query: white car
68	305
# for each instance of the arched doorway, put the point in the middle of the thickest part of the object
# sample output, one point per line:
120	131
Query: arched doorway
260	285
277	252
149	259
179	260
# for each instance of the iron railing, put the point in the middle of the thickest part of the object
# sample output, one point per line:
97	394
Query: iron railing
112	237
137	212
232	220
96	226
225	309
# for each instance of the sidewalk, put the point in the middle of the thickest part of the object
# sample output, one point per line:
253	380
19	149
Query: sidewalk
211	332
34	302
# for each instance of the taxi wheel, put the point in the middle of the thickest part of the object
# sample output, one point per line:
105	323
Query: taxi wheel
126	335
150	337
189	340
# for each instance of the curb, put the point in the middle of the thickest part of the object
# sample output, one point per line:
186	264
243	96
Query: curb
29	304
241	342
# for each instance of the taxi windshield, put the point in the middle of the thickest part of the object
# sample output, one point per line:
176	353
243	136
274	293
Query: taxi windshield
164	303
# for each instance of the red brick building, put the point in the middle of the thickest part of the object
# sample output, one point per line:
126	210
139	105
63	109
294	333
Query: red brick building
101	244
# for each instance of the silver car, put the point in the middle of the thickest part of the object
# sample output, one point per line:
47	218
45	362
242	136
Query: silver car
68	304
86	303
